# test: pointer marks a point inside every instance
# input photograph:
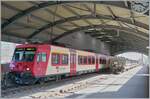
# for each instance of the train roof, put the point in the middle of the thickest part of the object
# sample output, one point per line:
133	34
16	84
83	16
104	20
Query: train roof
37	45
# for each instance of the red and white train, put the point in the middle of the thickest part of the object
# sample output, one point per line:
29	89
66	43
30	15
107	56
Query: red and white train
38	62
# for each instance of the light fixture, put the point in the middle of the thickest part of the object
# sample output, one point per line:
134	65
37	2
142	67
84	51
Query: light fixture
148	47
100	37
27	69
107	41
91	29
102	33
109	36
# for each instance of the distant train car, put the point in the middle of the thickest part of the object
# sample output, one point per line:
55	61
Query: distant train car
117	64
40	62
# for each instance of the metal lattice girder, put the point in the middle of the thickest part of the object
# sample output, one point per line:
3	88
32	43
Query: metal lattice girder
127	30
74	18
133	44
52	3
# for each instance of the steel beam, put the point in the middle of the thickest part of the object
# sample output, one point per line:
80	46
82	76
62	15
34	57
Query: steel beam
127	30
54	13
75	13
51	12
52	3
74	18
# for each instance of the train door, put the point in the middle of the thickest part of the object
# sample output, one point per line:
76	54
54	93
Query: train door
42	57
97	69
72	64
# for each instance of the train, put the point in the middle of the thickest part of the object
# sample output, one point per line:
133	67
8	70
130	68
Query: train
32	63
117	64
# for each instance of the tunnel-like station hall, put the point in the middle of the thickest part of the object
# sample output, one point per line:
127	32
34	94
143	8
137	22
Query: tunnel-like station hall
72	49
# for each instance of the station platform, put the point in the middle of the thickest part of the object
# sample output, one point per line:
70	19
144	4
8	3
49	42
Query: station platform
133	83
136	87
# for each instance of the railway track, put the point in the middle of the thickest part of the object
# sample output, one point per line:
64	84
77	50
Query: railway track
12	91
20	88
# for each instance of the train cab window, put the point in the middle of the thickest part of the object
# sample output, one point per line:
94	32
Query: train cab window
93	60
43	57
64	59
55	59
29	56
26	56
18	56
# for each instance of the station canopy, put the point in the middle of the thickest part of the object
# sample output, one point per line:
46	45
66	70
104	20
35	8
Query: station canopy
113	22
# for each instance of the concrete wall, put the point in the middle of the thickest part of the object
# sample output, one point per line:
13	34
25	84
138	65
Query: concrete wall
7	50
83	41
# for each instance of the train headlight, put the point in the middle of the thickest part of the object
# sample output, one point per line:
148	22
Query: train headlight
27	69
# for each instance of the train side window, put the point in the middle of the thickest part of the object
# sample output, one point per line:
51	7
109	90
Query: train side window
100	61
82	57
38	57
43	57
104	61
55	59
89	59
85	60
64	59
80	60
93	60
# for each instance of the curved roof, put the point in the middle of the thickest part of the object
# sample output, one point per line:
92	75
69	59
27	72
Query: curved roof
51	20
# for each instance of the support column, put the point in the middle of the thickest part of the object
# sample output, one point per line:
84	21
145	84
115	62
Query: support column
149	39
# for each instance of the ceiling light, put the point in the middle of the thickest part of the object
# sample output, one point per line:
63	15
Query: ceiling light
102	33
148	47
109	36
91	29
107	41
100	37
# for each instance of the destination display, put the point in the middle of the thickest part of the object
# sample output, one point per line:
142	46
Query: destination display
30	49
26	49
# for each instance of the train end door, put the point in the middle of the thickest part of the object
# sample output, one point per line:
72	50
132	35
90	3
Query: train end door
41	60
72	63
97	63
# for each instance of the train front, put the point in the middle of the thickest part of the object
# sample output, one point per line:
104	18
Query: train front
21	66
